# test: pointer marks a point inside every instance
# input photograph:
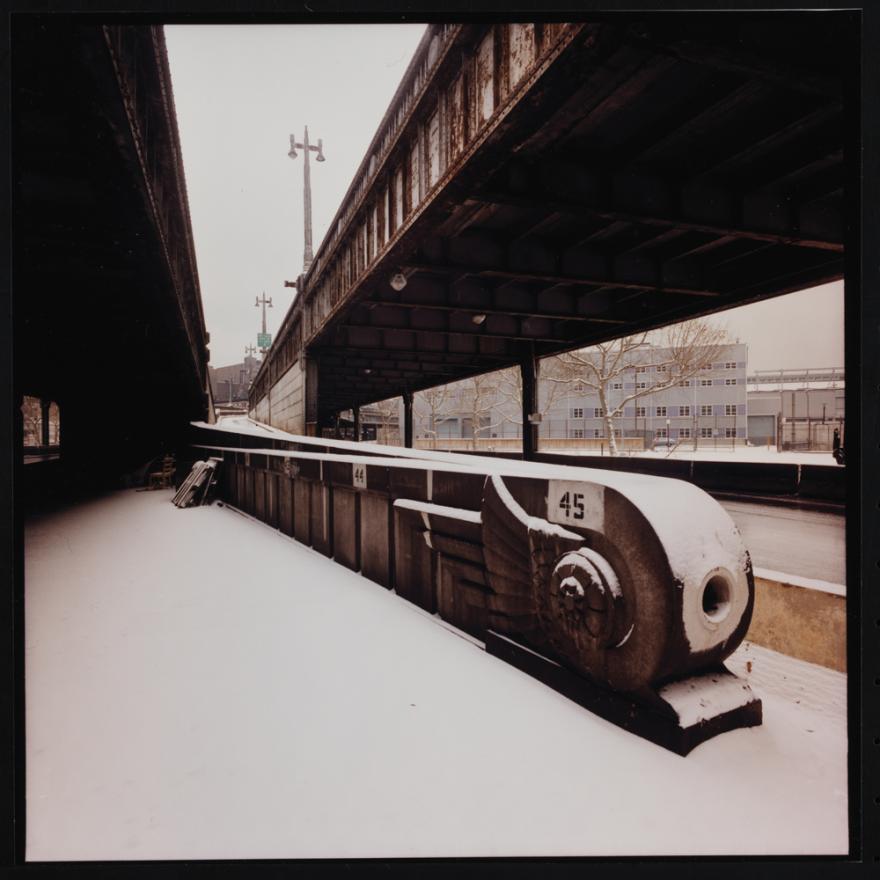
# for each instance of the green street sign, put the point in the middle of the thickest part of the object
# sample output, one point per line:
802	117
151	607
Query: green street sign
264	340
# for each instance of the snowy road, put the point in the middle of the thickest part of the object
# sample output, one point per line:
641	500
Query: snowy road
801	542
199	686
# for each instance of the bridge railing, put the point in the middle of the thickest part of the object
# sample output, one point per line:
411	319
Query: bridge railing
140	61
587	570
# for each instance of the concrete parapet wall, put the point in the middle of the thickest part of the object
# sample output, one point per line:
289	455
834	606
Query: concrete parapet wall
801	618
287	400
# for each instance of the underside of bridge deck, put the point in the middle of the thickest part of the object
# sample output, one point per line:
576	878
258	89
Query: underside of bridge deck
108	312
645	172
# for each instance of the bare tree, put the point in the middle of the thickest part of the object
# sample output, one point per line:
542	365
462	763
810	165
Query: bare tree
32	416
433	405
484	396
388	430
676	354
549	393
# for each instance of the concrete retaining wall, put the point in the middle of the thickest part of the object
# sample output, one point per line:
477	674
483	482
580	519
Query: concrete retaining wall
801	618
287	400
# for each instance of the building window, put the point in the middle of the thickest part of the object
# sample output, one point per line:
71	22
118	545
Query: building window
617	386
660	368
660	433
576	433
641	384
641	369
705	432
706	368
597	432
705	409
661	411
730	432
730	365
684	433
730	409
705	382
641	412
730	381
684	410
578	388
577	412
598	413
685	383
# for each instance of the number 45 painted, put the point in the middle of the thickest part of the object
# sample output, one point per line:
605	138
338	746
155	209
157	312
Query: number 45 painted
581	504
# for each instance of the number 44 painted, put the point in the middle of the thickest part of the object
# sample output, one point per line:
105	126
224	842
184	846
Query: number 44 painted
359	476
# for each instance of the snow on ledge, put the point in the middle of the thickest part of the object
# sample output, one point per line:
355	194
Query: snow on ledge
796	580
533	523
703	697
472	516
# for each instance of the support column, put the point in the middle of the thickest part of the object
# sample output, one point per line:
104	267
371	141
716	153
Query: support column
528	368
407	419
356	415
44	422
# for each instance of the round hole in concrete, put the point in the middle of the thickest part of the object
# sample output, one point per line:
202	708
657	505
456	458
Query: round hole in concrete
716	598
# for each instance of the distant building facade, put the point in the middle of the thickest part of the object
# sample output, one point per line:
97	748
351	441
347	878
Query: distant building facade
798	408
230	384
710	406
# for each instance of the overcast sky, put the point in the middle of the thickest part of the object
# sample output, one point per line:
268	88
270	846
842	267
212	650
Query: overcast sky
240	91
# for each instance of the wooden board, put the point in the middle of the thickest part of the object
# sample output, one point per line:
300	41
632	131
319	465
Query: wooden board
413	567
302	507
285	504
321	515
375	535
345	527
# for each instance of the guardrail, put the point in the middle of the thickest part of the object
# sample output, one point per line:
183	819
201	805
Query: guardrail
592	585
806	482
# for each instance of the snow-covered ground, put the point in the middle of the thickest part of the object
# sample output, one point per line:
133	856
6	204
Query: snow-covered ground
754	454
200	686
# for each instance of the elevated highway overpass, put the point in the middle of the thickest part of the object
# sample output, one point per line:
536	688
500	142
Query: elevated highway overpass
535	188
107	305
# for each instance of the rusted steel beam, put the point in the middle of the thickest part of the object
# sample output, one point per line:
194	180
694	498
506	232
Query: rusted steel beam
140	63
498	310
345	350
554	279
779	138
582	209
476	333
720	55
717	99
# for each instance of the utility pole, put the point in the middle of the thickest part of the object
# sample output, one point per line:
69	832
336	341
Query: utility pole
264	339
306	147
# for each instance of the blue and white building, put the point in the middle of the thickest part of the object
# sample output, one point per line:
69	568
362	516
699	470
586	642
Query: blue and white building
710	405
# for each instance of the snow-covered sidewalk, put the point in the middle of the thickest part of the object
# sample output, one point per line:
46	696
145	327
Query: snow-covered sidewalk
199	686
739	455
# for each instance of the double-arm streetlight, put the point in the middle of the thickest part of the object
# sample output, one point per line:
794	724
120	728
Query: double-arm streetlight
306	147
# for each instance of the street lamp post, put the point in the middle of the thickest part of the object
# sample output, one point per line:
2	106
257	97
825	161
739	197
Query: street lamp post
306	147
264	336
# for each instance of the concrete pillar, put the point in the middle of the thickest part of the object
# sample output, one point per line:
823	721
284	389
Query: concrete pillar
529	372
407	419
356	413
